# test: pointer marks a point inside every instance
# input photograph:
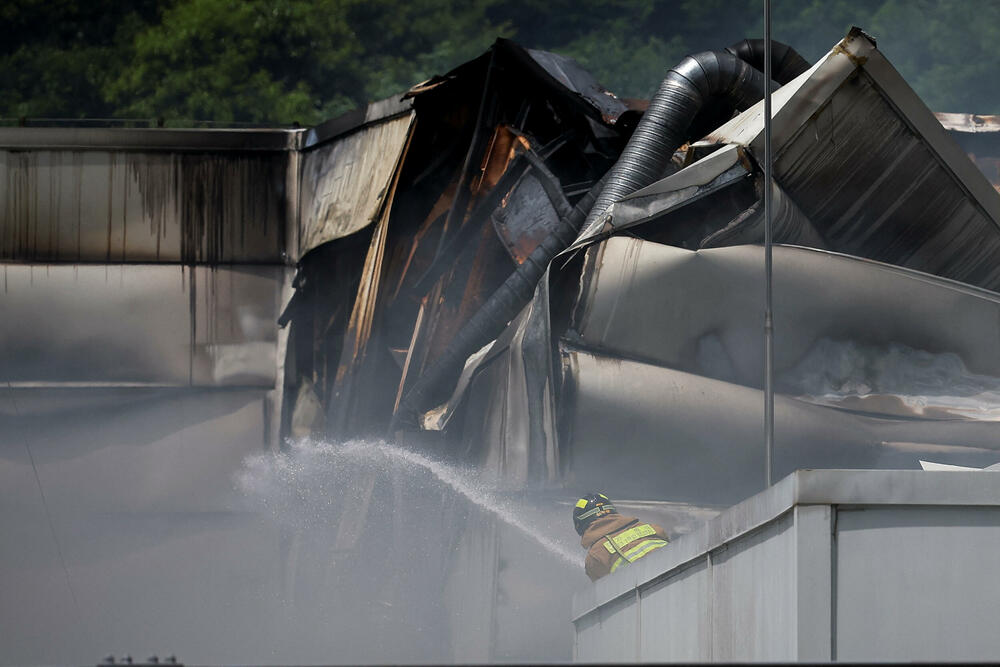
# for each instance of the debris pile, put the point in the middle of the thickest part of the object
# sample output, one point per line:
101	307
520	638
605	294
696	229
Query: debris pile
516	268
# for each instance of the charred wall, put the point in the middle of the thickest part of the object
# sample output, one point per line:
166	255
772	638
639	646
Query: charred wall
454	227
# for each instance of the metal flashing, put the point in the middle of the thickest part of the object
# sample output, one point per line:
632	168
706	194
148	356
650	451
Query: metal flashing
149	139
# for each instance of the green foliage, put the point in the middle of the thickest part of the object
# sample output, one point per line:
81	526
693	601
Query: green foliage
55	57
230	60
290	60
947	51
283	61
634	63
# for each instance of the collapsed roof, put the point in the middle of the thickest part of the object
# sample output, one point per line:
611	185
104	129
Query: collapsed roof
630	361
649	325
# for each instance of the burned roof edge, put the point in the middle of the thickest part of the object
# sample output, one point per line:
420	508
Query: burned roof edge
156	139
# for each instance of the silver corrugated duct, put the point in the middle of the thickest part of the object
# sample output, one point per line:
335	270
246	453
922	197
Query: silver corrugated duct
726	78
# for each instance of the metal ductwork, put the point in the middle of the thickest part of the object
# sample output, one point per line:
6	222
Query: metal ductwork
786	63
702	81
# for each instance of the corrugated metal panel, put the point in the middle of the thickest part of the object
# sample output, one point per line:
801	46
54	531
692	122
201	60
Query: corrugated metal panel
681	606
525	218
146	324
344	183
911	586
892	198
344	393
754	595
610	634
103	206
870	167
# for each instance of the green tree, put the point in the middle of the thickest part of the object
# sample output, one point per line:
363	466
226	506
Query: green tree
56	56
285	60
306	60
947	50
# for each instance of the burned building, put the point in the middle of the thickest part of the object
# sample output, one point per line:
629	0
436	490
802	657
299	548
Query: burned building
409	223
665	285
455	270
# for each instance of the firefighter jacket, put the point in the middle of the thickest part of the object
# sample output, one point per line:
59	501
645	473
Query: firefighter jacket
615	540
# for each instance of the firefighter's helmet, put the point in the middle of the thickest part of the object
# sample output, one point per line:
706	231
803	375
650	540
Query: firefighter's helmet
590	507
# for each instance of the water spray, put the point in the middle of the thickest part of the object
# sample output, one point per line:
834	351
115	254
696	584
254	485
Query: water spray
295	486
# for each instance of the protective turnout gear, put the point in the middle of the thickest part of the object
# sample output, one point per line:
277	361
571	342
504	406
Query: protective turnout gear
613	540
590	507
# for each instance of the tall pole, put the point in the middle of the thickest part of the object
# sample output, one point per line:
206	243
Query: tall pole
768	322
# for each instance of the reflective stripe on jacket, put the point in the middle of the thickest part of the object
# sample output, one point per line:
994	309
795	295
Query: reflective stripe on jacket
615	540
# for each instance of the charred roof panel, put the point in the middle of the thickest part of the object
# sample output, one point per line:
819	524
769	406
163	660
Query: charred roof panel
876	188
345	182
570	74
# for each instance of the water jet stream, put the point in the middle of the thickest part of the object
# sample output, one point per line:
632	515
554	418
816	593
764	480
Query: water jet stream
288	484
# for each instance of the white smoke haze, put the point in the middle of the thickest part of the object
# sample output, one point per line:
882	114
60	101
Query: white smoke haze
392	556
181	536
928	383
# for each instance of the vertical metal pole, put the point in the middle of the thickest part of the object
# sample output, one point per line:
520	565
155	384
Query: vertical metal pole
768	322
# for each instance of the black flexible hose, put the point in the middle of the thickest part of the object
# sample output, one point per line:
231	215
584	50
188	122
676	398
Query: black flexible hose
664	127
786	63
502	306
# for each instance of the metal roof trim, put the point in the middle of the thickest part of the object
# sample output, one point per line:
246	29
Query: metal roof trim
356	120
149	139
202	139
700	173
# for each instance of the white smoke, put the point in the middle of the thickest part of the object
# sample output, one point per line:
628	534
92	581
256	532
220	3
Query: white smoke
836	370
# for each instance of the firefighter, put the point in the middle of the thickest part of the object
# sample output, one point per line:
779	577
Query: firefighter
612	540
